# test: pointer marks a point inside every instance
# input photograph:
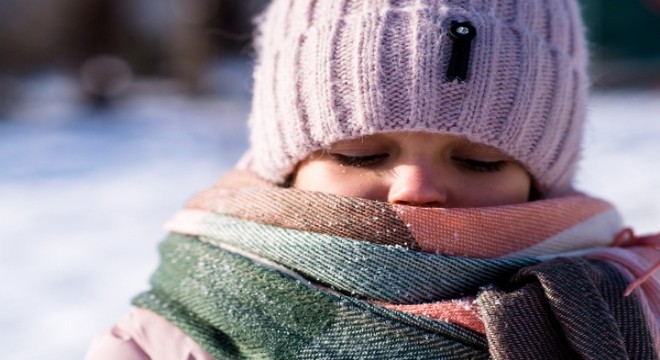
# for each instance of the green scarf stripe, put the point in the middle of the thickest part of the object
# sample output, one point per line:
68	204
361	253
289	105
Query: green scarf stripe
236	309
222	286
235	288
388	273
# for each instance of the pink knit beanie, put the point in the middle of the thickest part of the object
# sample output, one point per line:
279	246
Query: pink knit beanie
506	73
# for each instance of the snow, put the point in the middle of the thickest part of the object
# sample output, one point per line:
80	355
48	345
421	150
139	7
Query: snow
622	155
84	194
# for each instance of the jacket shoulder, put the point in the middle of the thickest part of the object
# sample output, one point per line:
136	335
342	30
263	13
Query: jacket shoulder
143	335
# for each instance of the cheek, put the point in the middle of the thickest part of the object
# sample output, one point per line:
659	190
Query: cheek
327	177
512	188
509	187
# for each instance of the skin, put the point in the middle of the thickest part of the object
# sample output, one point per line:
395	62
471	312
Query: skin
416	169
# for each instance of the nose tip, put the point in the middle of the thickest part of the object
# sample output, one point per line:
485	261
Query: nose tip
414	185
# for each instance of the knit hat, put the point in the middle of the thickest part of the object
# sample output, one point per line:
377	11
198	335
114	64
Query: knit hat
506	73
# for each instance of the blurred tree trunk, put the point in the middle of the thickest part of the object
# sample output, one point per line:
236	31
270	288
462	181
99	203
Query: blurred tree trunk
189	43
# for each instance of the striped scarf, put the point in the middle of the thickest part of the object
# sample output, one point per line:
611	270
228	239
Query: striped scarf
252	270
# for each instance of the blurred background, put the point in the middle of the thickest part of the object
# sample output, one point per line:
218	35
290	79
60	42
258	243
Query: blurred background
114	112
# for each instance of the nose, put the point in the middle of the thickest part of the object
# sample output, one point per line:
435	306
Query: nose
417	185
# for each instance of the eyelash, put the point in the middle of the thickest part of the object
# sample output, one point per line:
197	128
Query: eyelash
359	161
481	166
374	160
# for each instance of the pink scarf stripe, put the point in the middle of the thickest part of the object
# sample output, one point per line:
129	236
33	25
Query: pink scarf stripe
595	232
535	228
463	312
546	225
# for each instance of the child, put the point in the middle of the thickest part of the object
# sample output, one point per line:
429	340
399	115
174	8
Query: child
407	195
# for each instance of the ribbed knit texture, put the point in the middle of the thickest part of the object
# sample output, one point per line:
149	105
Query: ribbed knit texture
329	70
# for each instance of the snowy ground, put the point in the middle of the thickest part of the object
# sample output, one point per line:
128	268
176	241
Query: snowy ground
83	195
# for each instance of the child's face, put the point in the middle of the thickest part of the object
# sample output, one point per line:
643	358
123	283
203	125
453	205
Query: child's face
416	168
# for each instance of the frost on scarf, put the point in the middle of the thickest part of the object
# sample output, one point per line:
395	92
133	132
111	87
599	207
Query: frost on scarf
254	269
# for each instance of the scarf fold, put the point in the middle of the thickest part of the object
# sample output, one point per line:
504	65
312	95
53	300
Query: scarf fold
252	270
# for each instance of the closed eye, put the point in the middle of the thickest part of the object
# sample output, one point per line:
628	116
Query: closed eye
359	161
479	165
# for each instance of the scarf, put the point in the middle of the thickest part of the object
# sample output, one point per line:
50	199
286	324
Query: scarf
252	270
